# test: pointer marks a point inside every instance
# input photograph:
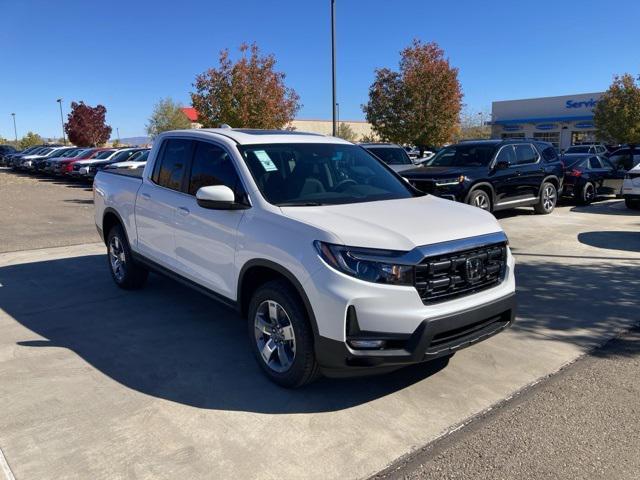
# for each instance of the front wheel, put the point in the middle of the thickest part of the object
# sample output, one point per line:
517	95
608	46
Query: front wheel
548	199
280	335
480	199
127	274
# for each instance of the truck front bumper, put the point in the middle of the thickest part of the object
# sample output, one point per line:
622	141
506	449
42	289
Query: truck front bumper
433	338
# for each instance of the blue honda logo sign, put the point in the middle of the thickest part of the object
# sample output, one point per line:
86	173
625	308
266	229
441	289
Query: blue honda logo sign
546	126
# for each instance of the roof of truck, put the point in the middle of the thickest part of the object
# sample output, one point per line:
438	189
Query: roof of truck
249	136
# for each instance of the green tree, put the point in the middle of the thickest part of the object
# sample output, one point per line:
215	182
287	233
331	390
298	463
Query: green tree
29	140
617	113
247	93
167	115
420	104
345	131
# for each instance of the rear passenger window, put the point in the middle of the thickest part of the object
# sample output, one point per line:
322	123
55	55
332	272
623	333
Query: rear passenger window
549	154
525	154
506	154
172	163
212	166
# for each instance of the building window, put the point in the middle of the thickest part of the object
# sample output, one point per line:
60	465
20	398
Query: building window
578	138
513	135
551	137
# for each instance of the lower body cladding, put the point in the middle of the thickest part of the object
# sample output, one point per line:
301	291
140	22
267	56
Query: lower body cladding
375	328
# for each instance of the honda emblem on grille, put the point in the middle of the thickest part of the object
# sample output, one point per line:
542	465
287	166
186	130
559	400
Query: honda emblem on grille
474	269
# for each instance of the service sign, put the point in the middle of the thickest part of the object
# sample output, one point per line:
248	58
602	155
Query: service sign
584	125
546	126
512	128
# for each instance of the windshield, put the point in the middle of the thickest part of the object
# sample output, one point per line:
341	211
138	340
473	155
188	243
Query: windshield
463	156
581	149
321	174
122	156
391	155
59	153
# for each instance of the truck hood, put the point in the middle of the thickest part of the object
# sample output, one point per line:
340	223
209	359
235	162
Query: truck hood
398	224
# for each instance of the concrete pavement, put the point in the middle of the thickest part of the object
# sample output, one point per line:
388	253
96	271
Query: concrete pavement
101	383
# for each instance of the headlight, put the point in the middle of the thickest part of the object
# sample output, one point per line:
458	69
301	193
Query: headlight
446	182
366	264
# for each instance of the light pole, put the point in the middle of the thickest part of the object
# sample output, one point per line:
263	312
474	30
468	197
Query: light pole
337	116
15	130
118	133
64	139
333	63
481	119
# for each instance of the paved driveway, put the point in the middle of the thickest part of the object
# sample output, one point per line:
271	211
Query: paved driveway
100	383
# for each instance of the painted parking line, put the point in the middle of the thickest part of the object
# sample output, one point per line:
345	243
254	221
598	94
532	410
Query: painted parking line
7	474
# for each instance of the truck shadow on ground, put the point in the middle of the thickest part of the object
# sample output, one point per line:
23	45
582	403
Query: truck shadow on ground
173	343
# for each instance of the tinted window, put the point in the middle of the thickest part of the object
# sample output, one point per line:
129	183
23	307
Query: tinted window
324	173
174	158
391	155
605	163
463	155
549	154
525	154
506	154
594	162
103	155
122	156
212	166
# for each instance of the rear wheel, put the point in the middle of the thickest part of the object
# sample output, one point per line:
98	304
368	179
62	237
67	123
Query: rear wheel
480	199
127	274
587	194
280	335
548	199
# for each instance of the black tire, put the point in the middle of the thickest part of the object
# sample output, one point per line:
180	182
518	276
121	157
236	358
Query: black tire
548	199
303	368
132	275
481	199
632	204
587	194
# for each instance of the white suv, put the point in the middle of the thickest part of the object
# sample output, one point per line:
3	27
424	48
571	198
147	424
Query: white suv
631	188
338	264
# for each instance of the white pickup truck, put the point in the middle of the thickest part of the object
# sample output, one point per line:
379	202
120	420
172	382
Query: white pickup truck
339	265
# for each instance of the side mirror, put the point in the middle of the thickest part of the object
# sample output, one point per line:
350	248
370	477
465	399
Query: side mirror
501	165
218	197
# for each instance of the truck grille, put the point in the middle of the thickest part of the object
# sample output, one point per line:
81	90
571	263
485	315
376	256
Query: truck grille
453	275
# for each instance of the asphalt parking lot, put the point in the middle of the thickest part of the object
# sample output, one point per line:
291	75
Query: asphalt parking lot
101	383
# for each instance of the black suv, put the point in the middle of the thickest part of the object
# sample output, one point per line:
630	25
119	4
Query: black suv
494	174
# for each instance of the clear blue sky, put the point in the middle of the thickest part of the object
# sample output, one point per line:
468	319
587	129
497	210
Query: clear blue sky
128	54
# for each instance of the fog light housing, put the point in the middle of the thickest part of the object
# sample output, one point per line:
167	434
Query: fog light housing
367	344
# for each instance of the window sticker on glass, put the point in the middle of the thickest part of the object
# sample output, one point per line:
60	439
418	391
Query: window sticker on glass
266	161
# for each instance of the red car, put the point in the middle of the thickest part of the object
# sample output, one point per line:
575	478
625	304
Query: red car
65	165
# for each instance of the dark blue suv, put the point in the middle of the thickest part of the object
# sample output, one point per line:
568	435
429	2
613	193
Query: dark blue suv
494	174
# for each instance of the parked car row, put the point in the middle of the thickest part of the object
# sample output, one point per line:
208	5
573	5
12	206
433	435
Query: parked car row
76	162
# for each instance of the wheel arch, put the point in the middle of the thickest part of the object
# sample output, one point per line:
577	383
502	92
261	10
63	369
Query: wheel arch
256	272
110	218
487	187
549	179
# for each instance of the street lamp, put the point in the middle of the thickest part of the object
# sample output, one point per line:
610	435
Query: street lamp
64	139
333	63
15	130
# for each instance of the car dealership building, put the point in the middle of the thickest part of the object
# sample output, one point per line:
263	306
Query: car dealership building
562	121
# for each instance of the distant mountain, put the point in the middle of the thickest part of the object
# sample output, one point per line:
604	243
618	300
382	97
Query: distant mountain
134	140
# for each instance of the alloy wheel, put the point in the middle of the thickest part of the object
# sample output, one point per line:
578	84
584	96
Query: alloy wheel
274	336
117	258
481	201
589	193
549	198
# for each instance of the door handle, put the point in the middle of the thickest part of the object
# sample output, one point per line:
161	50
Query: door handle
183	211
146	196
